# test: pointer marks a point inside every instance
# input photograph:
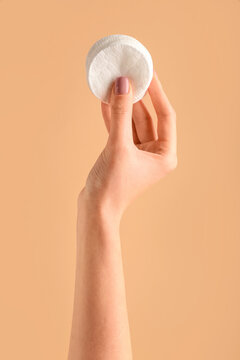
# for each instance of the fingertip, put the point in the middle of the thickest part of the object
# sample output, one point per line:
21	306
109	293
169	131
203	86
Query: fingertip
122	86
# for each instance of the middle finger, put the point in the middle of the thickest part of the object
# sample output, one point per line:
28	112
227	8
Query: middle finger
144	123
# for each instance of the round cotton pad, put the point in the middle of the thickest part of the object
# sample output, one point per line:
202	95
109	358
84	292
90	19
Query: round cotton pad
118	55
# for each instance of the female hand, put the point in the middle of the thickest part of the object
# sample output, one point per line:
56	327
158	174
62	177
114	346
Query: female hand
136	154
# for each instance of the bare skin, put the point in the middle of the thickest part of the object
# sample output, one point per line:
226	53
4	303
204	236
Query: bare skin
136	155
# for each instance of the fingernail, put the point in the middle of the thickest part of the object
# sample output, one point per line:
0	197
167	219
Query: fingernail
121	85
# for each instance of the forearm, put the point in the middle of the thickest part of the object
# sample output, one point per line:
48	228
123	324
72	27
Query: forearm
100	329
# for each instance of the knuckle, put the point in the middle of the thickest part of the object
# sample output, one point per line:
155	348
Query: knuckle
173	114
119	107
171	162
119	149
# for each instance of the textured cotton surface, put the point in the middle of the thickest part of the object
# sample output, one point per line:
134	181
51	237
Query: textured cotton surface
118	55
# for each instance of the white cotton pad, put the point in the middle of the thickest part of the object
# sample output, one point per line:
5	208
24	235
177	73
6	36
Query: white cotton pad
118	55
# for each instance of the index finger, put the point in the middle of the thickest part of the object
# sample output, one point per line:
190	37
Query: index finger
166	127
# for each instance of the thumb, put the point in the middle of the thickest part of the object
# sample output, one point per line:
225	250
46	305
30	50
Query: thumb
121	104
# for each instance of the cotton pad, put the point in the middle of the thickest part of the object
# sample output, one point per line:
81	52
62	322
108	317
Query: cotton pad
118	55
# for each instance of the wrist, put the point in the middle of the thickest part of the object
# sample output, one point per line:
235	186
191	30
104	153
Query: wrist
97	211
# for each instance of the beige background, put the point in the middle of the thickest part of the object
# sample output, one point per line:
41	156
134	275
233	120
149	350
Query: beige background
181	237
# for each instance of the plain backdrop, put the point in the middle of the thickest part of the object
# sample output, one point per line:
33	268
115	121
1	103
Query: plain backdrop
181	238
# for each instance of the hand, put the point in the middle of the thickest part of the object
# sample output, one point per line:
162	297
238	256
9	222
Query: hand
136	154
